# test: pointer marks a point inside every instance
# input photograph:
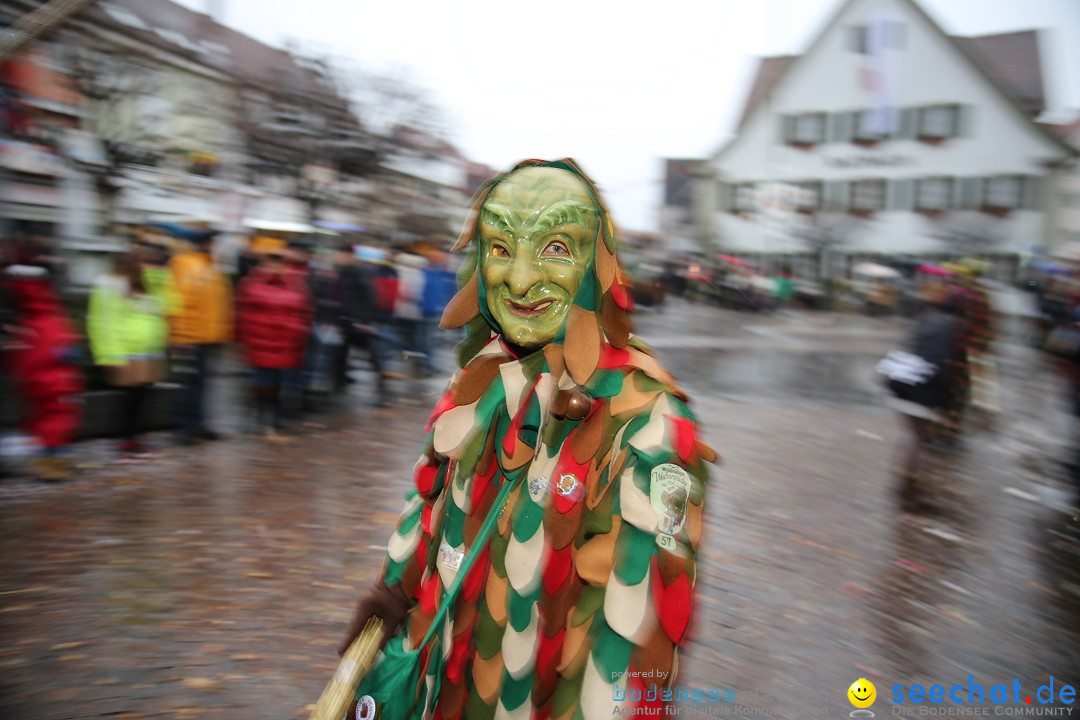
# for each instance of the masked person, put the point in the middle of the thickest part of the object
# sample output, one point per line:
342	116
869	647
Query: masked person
583	593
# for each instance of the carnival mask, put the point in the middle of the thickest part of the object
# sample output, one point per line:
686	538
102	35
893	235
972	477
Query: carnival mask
537	232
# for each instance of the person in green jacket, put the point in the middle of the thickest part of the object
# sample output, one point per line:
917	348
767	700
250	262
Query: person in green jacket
128	332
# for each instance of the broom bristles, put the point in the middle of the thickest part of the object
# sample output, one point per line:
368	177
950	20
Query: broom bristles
355	664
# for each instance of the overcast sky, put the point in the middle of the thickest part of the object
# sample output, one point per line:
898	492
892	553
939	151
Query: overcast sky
616	85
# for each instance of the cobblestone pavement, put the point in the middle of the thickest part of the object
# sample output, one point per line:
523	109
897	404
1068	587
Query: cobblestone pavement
214	582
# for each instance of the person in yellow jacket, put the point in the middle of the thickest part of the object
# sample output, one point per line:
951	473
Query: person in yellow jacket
201	324
128	331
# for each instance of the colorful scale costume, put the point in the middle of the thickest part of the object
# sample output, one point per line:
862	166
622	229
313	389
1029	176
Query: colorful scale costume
588	578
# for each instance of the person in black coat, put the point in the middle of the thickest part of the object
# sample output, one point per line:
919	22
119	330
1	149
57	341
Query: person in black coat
937	339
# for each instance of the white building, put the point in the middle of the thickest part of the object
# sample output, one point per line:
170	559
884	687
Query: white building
887	138
1067	210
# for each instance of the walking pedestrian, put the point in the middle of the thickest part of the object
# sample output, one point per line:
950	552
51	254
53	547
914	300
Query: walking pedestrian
439	286
408	315
364	281
924	380
202	323
273	323
128	330
42	360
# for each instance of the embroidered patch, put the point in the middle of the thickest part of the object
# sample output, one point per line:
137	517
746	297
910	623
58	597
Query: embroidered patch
449	557
570	487
669	492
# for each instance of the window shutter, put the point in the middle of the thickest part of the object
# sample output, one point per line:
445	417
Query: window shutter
970	191
836	195
832	128
961	194
1032	192
963	121
786	122
900	194
906	131
725	197
841	126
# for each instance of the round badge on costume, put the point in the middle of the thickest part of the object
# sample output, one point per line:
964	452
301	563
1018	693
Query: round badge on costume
365	708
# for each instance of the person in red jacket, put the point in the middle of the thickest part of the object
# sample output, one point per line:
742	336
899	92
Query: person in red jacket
274	317
42	361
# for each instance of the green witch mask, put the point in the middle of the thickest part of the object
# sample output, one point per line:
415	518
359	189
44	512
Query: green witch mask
542	271
537	232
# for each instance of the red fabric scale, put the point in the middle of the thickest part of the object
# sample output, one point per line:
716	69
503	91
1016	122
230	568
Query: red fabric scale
548	654
445	403
621	295
685	435
672	603
429	592
510	440
557	568
613	357
477	577
460	654
425	524
567	465
425	478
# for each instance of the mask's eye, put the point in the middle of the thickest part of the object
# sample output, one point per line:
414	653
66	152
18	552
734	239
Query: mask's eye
499	251
557	248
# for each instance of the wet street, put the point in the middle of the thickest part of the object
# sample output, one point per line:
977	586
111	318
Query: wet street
215	582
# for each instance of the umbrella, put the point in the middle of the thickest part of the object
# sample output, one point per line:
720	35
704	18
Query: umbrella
1049	268
934	270
874	270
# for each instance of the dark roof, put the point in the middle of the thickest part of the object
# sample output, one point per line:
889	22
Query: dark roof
1013	60
1010	59
769	71
199	38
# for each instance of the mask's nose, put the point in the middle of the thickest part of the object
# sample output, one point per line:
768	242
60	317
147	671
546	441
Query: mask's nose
524	273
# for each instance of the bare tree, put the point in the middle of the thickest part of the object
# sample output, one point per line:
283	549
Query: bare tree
825	231
969	232
108	78
386	103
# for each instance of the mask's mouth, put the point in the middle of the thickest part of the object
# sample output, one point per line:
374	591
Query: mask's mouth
529	309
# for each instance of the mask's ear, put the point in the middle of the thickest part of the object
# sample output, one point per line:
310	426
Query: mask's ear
468	230
465	305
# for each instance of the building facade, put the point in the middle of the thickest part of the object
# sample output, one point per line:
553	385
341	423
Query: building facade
887	138
136	111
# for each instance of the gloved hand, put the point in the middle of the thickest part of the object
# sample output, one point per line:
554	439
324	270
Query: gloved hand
389	603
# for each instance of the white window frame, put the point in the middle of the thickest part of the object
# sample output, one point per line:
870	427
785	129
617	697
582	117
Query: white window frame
923	188
801	123
994	192
928	115
857	204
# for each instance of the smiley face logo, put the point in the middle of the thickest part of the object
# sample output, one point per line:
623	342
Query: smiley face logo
862	693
